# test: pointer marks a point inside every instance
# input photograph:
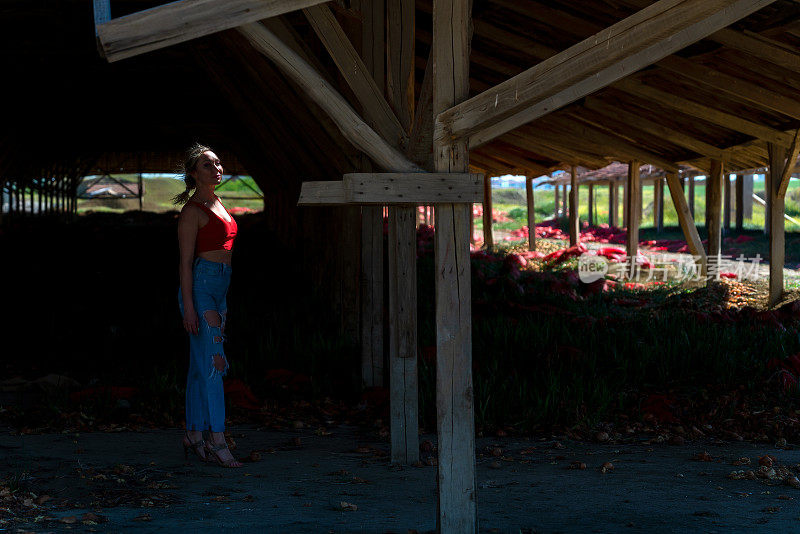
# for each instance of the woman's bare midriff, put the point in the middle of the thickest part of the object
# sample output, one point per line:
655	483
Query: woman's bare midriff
219	256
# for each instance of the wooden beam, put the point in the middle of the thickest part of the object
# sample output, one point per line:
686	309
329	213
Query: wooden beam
184	20
400	53
622	118
633	210
355	72
420	147
629	45
574	219
531	212
777	235
726	203
321	92
591	215
700	111
714	193
488	219
759	48
615	144
788	168
686	221
658	204
740	202
413	188
738	88
455	421
330	193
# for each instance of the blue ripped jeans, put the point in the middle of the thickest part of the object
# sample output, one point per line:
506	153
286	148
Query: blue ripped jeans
205	397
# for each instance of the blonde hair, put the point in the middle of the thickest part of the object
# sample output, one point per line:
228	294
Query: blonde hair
189	163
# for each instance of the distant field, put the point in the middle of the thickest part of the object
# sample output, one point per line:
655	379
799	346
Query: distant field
158	193
507	199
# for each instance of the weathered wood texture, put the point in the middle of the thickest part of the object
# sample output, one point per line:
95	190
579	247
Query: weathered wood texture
457	507
369	94
412	188
590	216
629	45
726	203
320	91
184	20
740	201
613	204
372	296
658	204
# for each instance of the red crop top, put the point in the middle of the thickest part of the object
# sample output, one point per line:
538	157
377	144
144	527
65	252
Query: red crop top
217	234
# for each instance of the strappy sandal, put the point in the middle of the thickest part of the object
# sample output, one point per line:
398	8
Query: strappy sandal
198	447
213	451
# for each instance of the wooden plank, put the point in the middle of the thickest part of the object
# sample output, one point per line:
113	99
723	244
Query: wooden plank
488	234
185	20
757	94
777	234
759	48
400	53
455	421
374	106
590	216
412	188
714	189
633	43
748	196
686	221
574	219
700	111
531	212
323	94
329	193
788	168
633	210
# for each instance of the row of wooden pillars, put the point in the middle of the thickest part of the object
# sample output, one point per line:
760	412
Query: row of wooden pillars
42	196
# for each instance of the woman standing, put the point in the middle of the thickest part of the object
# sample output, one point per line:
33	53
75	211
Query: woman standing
205	234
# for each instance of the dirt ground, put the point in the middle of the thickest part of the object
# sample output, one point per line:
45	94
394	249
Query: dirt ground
307	481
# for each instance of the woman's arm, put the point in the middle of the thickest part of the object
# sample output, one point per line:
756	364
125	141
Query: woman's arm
188	223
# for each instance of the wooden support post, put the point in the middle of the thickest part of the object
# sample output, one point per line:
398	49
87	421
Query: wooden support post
768	201
591	205
565	202
747	205
625	201
457	507
372	296
531	212
574	219
740	202
776	205
691	178
556	202
658	204
403	335
488	236
141	193
714	194
633	209
687	222
613	203
726	208
404	404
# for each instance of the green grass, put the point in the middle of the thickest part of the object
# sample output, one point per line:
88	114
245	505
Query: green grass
507	199
158	193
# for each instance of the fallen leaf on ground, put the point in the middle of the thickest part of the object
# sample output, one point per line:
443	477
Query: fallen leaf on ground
348	506
606	467
143	517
